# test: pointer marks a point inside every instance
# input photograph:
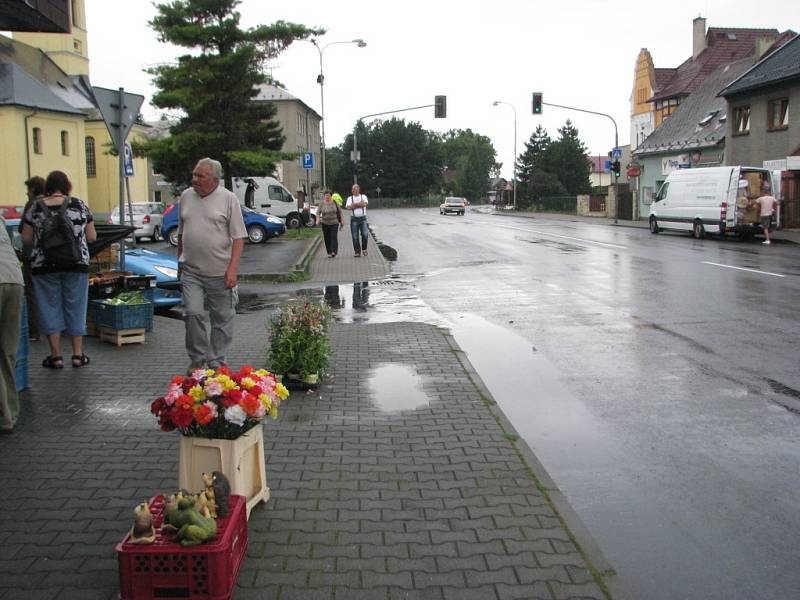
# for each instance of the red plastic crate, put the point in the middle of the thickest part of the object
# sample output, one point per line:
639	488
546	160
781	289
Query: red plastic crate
165	569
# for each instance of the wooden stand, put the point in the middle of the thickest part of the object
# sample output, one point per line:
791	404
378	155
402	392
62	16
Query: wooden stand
240	460
120	337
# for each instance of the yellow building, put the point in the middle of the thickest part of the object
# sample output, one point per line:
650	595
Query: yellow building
49	119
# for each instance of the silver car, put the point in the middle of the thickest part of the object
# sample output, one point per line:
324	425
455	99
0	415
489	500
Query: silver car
147	218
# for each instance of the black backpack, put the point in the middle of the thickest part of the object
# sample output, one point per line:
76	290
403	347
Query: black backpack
58	242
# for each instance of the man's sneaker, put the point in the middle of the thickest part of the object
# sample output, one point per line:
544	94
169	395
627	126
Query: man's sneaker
766	242
357	254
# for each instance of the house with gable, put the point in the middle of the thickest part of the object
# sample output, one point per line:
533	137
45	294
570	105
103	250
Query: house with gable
693	136
657	93
49	118
763	127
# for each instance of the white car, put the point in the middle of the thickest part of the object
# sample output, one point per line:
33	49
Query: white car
453	205
147	218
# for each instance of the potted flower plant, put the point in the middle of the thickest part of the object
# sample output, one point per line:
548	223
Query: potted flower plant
219	414
299	347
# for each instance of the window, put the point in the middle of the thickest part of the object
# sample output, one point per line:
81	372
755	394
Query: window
662	191
37	140
708	118
64	143
157	196
91	161
778	114
741	120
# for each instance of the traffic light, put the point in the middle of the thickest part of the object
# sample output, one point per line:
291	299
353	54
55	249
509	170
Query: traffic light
537	103
615	168
440	107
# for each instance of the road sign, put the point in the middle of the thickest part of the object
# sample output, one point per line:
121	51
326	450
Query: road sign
616	154
118	120
128	160
308	160
607	166
634	170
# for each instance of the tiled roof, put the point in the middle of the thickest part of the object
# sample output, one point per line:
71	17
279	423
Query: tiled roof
780	65
663	77
723	45
699	120
598	163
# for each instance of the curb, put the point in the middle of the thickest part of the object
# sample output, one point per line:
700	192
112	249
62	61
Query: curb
296	274
599	565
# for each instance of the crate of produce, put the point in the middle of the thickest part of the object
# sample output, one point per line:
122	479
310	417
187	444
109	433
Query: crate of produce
103	288
165	569
138	282
122	316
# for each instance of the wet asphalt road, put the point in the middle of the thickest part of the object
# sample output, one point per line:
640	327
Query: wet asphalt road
656	380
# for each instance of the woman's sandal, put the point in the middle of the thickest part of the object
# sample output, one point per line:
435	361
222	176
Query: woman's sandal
53	362
80	360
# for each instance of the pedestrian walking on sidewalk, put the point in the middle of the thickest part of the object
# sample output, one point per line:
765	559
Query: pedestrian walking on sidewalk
330	217
34	189
211	235
57	229
11	293
359	230
768	204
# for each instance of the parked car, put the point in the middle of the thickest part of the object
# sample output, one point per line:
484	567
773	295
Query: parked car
260	227
147	218
11	211
453	204
143	261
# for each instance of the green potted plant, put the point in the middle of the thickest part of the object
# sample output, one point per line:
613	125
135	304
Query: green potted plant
299	347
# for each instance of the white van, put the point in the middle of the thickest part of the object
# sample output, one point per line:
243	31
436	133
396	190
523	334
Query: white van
268	195
711	200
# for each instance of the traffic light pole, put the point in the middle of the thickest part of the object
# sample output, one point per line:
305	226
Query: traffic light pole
616	145
355	133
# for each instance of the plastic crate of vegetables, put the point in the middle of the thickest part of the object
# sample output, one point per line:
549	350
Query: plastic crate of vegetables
128	310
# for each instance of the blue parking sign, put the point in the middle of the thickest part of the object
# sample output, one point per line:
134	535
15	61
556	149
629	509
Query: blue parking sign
127	161
308	160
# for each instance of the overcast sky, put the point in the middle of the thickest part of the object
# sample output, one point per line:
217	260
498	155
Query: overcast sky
577	52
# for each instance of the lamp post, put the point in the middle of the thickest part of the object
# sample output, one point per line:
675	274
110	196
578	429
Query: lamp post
321	81
514	163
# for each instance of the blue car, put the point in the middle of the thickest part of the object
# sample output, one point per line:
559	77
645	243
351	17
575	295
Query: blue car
260	227
142	261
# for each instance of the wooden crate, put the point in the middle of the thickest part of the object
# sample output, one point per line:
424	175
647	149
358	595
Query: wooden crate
120	337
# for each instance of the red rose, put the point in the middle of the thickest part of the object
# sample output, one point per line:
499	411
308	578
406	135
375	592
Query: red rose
178	379
231	397
165	422
185	402
250	404
203	415
158	405
223	370
188	383
256	390
181	417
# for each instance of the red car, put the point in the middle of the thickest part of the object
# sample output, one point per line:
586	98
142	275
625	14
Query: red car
9	211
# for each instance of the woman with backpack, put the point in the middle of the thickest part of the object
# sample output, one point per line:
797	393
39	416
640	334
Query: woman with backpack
57	229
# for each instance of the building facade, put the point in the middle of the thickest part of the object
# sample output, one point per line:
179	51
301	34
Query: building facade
763	127
49	119
301	128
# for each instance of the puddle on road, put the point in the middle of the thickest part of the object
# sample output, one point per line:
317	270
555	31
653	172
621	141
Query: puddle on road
526	386
396	388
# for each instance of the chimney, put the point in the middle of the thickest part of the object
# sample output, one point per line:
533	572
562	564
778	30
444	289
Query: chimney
698	36
762	45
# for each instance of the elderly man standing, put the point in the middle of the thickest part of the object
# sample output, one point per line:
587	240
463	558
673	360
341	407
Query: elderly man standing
11	286
211	236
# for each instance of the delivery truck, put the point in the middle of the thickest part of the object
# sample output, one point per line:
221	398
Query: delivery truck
268	195
718	200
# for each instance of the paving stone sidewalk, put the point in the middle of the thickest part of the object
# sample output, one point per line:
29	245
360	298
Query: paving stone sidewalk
437	501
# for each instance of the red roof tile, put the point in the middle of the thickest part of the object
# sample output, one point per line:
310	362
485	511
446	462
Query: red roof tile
723	45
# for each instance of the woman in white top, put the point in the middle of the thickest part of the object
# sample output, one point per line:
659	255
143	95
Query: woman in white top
358	220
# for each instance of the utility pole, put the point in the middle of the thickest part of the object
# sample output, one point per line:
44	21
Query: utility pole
616	144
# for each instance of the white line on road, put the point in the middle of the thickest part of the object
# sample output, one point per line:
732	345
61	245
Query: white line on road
705	262
566	237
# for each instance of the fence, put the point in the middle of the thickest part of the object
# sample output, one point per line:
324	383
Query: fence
557	204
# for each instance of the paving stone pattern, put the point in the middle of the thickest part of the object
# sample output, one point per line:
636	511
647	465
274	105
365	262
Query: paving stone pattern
426	503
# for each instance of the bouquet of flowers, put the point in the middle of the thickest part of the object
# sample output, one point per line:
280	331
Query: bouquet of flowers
299	343
218	403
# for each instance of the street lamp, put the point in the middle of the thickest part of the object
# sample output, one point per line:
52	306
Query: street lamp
514	163
321	81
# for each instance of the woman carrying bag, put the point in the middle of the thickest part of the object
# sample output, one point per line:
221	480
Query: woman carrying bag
57	229
330	217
